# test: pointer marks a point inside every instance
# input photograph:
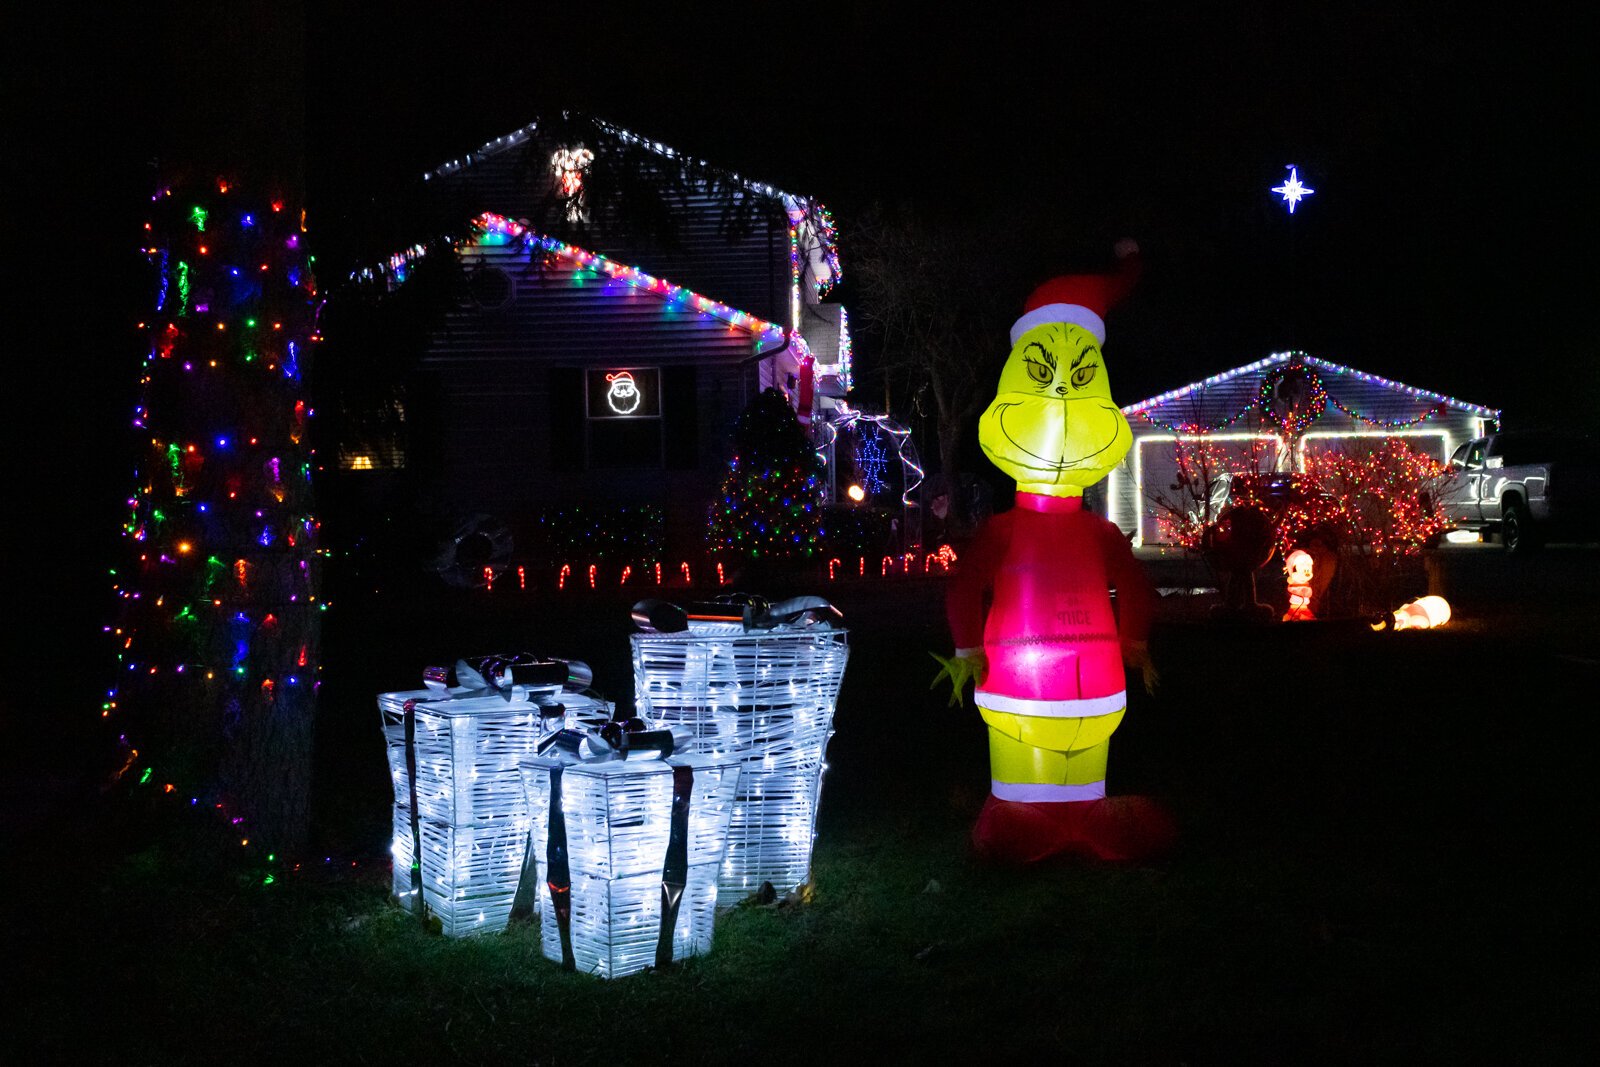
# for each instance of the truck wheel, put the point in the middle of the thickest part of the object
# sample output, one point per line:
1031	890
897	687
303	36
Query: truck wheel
1516	528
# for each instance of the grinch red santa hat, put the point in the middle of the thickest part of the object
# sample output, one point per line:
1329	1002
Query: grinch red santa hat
1081	299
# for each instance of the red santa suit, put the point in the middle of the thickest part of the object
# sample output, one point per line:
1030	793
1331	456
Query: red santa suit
1053	641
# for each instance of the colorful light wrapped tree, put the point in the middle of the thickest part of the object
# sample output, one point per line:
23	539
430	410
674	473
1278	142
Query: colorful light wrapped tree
217	633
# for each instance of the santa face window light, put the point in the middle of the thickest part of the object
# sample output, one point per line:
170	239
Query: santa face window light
624	410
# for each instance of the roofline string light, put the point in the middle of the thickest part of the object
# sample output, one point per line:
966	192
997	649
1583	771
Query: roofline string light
1311	361
794	205
492	225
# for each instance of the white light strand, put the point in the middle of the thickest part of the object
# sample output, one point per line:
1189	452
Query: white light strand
1311	361
768	699
470	800
843	417
618	819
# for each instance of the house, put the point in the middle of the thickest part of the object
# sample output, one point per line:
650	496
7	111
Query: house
620	304
1269	416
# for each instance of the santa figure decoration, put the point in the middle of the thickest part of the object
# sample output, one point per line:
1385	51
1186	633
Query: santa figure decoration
1297	569
1047	659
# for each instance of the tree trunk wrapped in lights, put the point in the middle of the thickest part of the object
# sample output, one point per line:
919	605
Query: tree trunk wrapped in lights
217	637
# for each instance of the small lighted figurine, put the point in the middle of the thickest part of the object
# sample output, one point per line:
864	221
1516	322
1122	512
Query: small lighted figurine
1047	660
1297	570
1424	613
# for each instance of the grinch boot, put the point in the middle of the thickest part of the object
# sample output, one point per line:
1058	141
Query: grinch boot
1048	794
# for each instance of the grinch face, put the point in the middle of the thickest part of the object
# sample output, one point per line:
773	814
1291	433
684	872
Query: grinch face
1053	425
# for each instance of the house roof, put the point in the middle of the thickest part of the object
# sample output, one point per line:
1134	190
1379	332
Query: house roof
812	237
798	207
1224	399
520	135
493	226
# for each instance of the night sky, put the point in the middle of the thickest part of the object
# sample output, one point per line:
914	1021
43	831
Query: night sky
1445	246
1448	244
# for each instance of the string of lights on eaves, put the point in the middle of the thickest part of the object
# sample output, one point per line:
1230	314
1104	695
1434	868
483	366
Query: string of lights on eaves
1336	369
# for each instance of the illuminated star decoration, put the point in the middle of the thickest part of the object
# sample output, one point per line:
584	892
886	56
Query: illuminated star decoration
1292	190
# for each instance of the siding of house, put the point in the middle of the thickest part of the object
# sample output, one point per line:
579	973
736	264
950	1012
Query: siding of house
498	407
748	271
496	412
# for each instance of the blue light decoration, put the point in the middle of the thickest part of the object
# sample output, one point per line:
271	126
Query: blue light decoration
846	418
871	459
1292	190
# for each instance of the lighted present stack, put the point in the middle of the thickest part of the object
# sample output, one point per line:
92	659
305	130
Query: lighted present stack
759	682
628	851
460	812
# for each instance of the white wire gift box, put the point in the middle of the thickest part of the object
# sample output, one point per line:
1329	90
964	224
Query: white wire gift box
461	822
766	695
628	853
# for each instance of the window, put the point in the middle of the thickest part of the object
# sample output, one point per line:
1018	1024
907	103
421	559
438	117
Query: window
615	418
623	409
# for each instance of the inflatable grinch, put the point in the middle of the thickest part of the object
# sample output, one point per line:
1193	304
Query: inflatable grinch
1047	660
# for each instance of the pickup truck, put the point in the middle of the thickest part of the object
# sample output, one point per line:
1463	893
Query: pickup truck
1526	487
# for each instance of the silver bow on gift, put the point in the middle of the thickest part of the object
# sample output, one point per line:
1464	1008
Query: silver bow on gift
750	612
514	676
617	740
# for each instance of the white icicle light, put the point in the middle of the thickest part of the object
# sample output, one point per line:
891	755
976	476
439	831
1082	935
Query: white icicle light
618	817
473	810
767	698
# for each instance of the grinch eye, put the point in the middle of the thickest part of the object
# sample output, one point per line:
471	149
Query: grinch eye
1083	375
1039	372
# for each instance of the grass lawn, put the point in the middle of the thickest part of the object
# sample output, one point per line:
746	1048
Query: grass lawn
1381	861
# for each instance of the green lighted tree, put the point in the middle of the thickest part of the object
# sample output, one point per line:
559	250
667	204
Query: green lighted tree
771	506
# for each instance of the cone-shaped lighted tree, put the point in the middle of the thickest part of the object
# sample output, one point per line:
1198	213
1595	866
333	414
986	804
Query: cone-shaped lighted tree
217	638
771	507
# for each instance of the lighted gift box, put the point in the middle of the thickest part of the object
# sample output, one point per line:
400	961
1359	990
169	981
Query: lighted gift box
472	815
767	698
641	841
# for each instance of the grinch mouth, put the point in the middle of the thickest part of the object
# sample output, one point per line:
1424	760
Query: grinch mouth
1058	462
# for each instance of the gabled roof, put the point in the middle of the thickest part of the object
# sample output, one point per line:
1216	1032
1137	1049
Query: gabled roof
520	135
798	207
1224	399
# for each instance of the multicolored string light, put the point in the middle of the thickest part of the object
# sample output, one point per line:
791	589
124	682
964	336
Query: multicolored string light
216	635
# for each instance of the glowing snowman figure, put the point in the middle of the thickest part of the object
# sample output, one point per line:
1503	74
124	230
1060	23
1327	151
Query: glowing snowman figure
624	395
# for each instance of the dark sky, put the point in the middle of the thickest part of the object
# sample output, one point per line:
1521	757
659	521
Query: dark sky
1448	244
1445	246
